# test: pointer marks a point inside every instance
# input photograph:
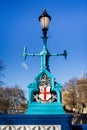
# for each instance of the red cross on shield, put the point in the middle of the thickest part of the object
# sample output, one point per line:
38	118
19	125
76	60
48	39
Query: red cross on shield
45	93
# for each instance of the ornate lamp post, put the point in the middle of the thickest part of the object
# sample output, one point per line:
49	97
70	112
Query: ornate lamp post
44	89
45	19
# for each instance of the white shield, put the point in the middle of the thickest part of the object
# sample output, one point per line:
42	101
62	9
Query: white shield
44	93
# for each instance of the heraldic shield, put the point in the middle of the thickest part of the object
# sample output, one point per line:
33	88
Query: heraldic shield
45	95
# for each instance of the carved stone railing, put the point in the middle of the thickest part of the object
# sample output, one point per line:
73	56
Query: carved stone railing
30	127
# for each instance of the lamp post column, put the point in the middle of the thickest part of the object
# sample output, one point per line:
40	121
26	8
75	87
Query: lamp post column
44	55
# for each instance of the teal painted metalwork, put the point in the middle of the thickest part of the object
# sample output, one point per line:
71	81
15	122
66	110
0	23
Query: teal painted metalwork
44	54
44	96
37	107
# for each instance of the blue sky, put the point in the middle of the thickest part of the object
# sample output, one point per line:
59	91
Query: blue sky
19	27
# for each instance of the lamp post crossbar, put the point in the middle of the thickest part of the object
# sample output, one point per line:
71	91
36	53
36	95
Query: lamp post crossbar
45	55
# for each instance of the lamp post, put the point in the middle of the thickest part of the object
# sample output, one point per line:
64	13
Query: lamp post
45	19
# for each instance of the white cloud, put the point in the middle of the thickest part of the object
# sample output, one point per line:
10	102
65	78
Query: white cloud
24	65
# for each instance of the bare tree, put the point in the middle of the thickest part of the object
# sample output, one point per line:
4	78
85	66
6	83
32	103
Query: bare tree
69	98
71	82
12	100
75	94
69	94
82	93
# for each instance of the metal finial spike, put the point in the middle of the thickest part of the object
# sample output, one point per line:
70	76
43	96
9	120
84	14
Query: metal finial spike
24	53
65	54
44	10
25	48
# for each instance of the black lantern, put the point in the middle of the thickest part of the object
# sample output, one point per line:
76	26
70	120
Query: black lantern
45	19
